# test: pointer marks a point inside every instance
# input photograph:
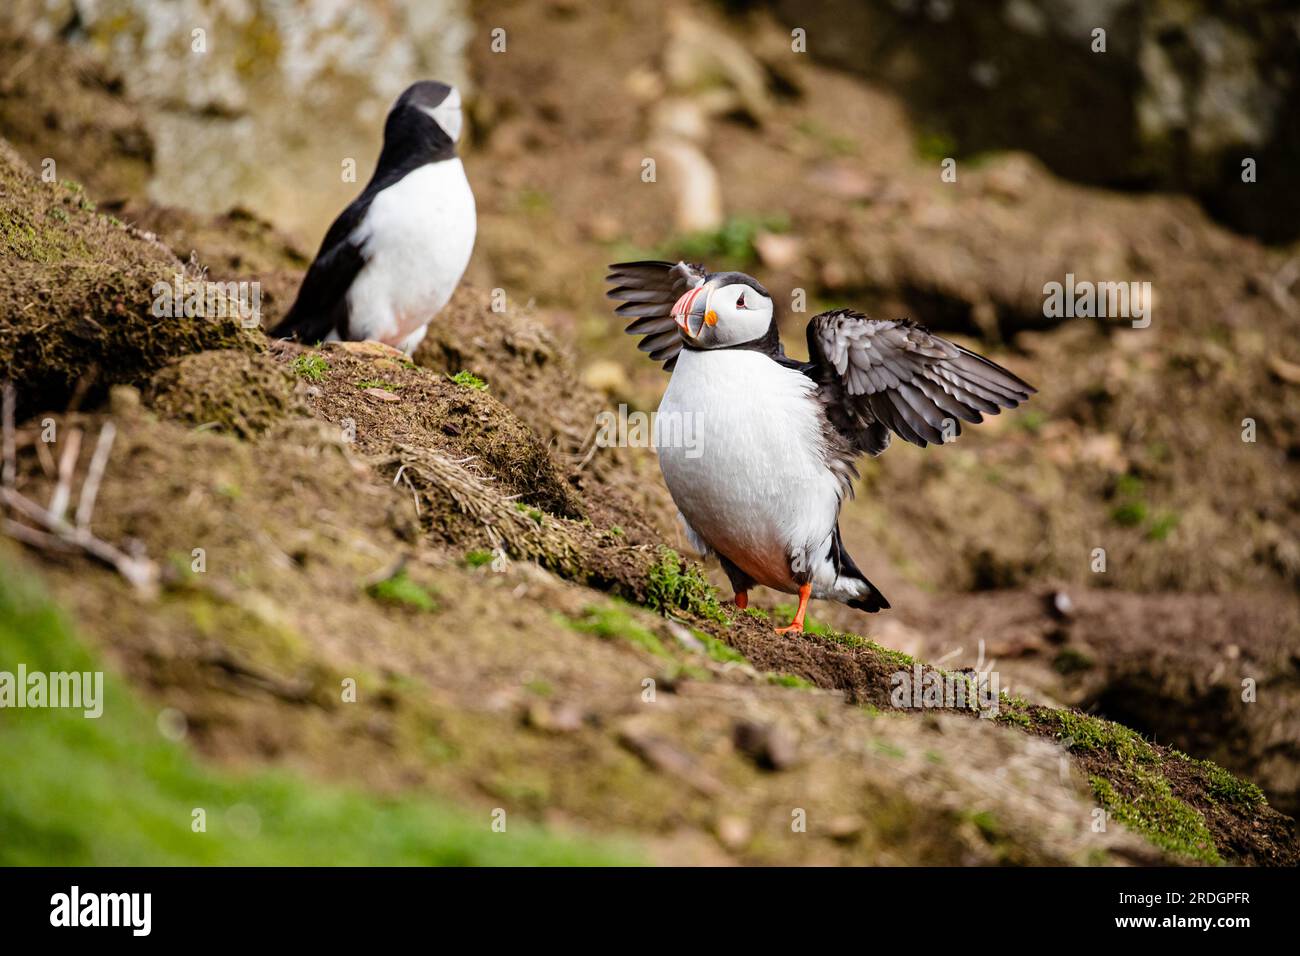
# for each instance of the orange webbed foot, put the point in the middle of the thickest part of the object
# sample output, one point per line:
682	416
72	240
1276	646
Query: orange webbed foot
742	599
796	626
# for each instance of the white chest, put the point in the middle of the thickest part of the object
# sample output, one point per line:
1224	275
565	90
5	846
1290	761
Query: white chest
753	483
416	238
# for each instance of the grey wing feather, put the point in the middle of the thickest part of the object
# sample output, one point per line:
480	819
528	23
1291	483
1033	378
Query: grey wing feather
883	376
647	291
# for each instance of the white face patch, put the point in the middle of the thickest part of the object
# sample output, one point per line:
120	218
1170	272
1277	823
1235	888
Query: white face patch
447	114
743	313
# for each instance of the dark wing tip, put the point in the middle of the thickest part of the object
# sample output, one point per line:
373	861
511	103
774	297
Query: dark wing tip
647	289
1015	379
642	264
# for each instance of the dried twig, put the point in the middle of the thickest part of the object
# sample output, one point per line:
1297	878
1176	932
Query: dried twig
67	468
45	458
401	473
586	459
38	539
52	531
139	571
90	487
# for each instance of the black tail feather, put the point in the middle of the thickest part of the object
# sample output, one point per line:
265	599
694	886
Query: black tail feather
846	568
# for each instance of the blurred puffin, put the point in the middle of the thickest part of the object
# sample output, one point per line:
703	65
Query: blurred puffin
776	439
392	259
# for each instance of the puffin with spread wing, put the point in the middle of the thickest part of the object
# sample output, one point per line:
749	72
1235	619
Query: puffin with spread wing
775	439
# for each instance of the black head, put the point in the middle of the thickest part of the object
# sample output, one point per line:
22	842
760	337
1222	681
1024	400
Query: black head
425	122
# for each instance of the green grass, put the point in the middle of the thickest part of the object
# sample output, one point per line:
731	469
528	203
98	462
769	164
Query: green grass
1070	660
732	242
1131	510
1014	710
1132	781
478	557
310	366
1093	733
113	791
675	584
1130	514
935	146
536	514
401	590
611	622
717	650
469	380
1223	787
1162	525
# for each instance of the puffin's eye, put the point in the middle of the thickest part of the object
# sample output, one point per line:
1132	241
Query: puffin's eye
740	303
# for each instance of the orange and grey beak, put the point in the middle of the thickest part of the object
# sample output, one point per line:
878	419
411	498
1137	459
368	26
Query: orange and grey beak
692	312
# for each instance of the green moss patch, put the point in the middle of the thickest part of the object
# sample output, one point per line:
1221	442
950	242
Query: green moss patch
1188	807
469	380
310	366
675	584
1150	808
719	651
611	622
402	591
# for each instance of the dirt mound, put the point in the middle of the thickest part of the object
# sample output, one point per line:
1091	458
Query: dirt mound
237	244
385	401
80	295
244	393
524	366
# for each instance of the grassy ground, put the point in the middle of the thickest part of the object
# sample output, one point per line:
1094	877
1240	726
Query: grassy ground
114	790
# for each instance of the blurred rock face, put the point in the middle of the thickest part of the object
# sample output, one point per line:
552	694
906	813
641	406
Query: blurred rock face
1184	91
260	103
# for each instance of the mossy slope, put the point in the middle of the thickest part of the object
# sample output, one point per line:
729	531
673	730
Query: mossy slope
78	292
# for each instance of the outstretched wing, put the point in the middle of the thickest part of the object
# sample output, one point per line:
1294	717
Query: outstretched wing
882	376
321	304
648	291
